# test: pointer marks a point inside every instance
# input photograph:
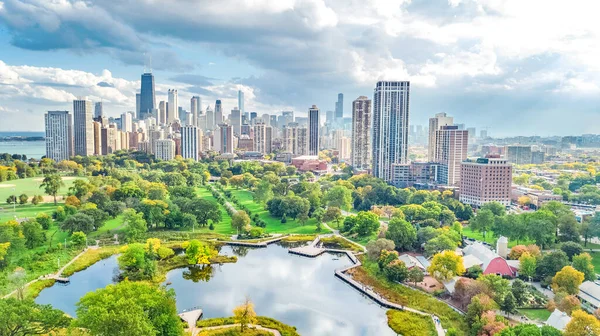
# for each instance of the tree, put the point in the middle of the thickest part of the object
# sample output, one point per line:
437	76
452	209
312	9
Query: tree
582	324
244	314
567	279
483	221
318	215
509	304
333	214
519	291
446	265
527	264
11	199
496	208
81	188
374	247
402	233
571	249
25	317
130	308
23	198
78	222
78	238
199	252
73	201
240	220
551	263
44	220
52	184
135	225
395	271
34	233
366	223
385	258
583	263
568	304
136	262
415	275
569	229
497	287
517	251
442	242
263	192
338	196
541	227
37	199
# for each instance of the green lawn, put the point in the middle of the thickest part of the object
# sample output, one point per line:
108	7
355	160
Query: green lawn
536	314
224	226
113	224
30	187
467	232
274	224
25	210
596	260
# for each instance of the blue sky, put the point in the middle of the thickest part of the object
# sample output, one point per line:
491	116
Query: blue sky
517	67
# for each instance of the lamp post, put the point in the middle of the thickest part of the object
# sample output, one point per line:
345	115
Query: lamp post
15	202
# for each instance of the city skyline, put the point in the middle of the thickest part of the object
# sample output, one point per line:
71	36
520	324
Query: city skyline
478	61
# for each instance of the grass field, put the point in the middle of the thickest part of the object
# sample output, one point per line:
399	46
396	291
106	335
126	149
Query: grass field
30	187
274	224
111	226
536	314
596	260
25	210
224	226
489	238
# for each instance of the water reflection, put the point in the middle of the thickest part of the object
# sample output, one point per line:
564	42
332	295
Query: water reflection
299	291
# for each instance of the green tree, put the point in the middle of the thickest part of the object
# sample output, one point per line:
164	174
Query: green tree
415	275
446	265
81	188
137	263
402	233
134	225
240	220
483	221
571	249
11	199
583	263
204	210
569	229
339	197
496	208
263	192
497	286
78	222
333	214
527	264
540	227
34	233
366	223
519	291
44	220
551	263
374	247
52	184
23	198
395	271
509	304
130	308
78	238
199	253
25	317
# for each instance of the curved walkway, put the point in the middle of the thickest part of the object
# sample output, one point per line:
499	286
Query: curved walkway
255	326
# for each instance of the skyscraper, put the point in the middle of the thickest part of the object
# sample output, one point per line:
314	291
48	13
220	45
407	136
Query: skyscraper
435	123
147	98
287	117
161	119
127	122
83	129
451	150
138	103
295	139
223	139
241	100
236	120
165	149
173	107
390	127
361	133
339	108
59	137
262	137
218	112
313	130
190	142
195	109
98	110
210	119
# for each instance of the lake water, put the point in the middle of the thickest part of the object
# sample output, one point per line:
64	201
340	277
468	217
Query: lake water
33	149
298	291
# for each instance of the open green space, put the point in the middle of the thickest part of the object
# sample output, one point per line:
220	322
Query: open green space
267	322
490	239
595	260
224	226
410	324
536	314
274	224
111	226
9	212
30	186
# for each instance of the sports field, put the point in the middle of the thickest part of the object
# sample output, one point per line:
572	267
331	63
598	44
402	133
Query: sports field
30	187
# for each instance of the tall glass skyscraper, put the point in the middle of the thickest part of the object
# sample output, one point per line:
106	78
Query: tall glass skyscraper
390	127
313	130
147	99
241	101
339	108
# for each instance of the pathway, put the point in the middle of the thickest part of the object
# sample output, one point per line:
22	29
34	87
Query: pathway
255	326
191	318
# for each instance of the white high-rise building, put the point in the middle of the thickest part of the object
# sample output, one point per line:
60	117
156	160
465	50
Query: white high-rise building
451	150
127	122
210	119
236	120
436	123
190	142
173	107
313	130
262	138
83	130
98	110
295	139
161	118
195	109
241	101
59	137
165	149
390	127
361	134
218	112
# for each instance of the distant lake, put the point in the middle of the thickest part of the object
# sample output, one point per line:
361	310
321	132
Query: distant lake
33	149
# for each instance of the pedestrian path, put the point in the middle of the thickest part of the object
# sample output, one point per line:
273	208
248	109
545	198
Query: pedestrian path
254	326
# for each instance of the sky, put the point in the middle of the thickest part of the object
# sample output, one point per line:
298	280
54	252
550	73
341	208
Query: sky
513	67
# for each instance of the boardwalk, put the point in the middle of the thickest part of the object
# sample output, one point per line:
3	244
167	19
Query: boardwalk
191	317
258	244
254	326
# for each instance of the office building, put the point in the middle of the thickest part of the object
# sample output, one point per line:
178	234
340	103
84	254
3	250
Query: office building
253	116
190	142
98	110
451	150
287	117
223	139
485	180
435	123
127	122
161	118
173	106
97	126
262	137
210	119
339	108
153	136
83	130
390	127
236	120
241	101
218	112
313	130
195	109
109	139
59	137
165	149
147	96
361	134
138	103
518	154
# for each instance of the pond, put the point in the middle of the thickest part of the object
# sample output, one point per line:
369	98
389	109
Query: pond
298	291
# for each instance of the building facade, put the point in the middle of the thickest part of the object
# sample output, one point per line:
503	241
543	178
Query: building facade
485	180
435	123
223	139
190	142
59	135
390	127
518	154
147	96
218	112
195	108
361	134
173	106
83	130
236	120
165	149
451	150
313	130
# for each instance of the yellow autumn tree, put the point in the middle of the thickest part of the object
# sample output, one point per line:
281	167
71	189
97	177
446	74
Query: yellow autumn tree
582	324
567	279
446	265
244	314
